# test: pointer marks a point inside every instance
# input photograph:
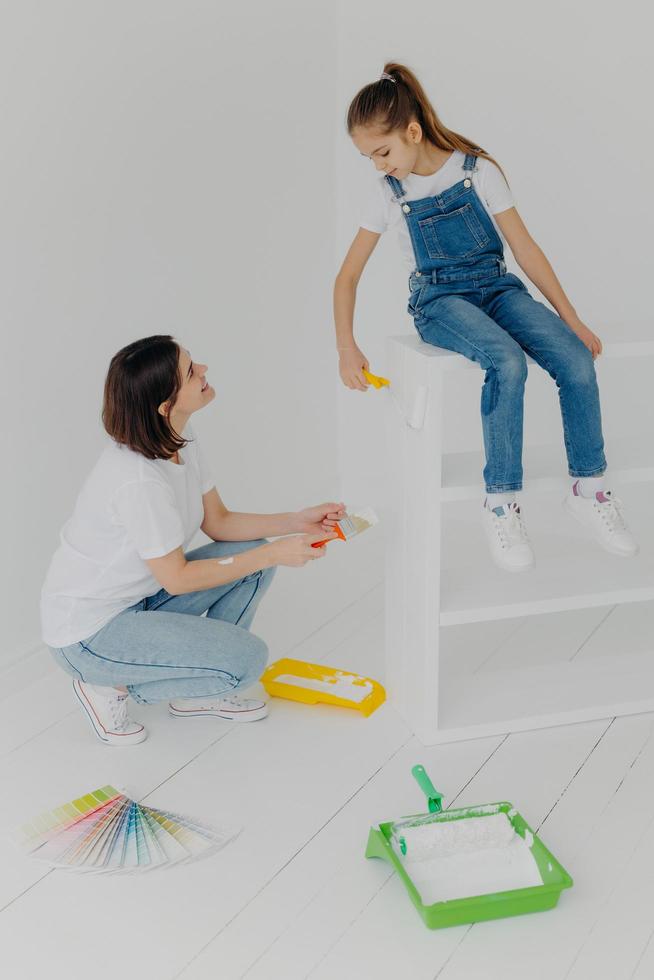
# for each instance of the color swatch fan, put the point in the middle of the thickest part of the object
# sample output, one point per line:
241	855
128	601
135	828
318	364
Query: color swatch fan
107	831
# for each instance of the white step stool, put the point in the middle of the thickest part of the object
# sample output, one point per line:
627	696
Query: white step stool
427	590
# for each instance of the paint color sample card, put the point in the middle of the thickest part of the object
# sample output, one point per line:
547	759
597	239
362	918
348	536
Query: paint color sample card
107	831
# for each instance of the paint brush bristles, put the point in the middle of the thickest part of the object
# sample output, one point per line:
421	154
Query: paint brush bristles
357	521
352	524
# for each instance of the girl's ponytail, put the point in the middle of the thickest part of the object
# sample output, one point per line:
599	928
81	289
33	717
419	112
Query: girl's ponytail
397	98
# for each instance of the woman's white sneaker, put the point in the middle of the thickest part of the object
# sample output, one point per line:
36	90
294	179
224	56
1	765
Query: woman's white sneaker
602	514
507	537
232	708
107	713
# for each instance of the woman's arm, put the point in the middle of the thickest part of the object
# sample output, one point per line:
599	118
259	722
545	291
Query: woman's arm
535	265
179	576
351	359
222	524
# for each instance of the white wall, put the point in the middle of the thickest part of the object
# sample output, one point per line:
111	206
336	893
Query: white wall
165	167
559	94
183	167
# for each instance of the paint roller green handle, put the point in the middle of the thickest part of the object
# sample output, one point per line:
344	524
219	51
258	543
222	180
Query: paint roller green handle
434	798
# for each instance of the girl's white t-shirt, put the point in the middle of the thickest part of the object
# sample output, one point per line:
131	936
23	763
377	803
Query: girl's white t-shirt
130	509
379	212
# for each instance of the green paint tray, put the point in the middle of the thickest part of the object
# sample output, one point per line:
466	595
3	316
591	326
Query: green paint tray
474	908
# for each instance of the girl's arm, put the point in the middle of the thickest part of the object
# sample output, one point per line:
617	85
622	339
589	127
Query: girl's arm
535	265
352	361
222	524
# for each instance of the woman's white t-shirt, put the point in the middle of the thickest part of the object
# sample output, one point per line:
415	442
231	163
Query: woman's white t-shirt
379	212
130	509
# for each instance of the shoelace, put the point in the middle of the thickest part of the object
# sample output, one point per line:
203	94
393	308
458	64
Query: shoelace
232	699
609	511
118	708
510	528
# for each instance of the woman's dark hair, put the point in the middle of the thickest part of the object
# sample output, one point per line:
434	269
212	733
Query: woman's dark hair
392	103
140	377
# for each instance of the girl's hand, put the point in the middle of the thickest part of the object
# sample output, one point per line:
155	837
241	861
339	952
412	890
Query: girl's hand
296	550
350	367
587	337
314	520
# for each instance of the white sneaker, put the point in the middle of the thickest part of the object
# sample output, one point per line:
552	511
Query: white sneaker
603	516
507	538
231	707
108	715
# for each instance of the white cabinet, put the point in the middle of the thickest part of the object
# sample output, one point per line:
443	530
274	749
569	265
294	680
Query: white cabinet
439	574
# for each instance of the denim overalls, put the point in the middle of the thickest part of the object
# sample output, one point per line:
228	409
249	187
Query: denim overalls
463	299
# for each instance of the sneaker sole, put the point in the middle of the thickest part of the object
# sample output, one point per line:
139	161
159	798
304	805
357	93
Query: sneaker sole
513	568
257	714
567	506
107	738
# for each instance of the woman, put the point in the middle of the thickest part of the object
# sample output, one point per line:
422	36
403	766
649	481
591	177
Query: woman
122	605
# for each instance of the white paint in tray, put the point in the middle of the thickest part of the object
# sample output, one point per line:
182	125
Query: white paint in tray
346	686
463	872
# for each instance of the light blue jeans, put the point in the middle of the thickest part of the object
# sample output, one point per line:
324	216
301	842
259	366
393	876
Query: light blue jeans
163	647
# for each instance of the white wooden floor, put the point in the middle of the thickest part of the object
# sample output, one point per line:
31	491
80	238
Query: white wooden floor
293	896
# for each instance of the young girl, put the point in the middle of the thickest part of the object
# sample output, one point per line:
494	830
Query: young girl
122	606
450	205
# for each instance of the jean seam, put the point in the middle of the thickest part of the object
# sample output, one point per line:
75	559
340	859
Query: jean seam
446	326
232	684
471	224
164	598
493	439
250	600
72	666
134	695
581	476
504	488
542	361
138	663
235	585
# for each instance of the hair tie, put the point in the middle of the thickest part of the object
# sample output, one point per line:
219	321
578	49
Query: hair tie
388	77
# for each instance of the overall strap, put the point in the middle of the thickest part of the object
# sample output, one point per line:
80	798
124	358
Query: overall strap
398	192
469	164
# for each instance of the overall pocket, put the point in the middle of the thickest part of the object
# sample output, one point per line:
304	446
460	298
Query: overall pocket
455	235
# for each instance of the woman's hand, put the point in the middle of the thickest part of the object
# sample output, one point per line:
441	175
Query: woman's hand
587	337
295	550
351	363
314	520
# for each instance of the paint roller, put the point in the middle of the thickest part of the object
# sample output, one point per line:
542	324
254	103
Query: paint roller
444	838
434	835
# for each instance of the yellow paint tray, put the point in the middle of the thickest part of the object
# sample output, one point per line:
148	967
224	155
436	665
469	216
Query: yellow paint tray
298	680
